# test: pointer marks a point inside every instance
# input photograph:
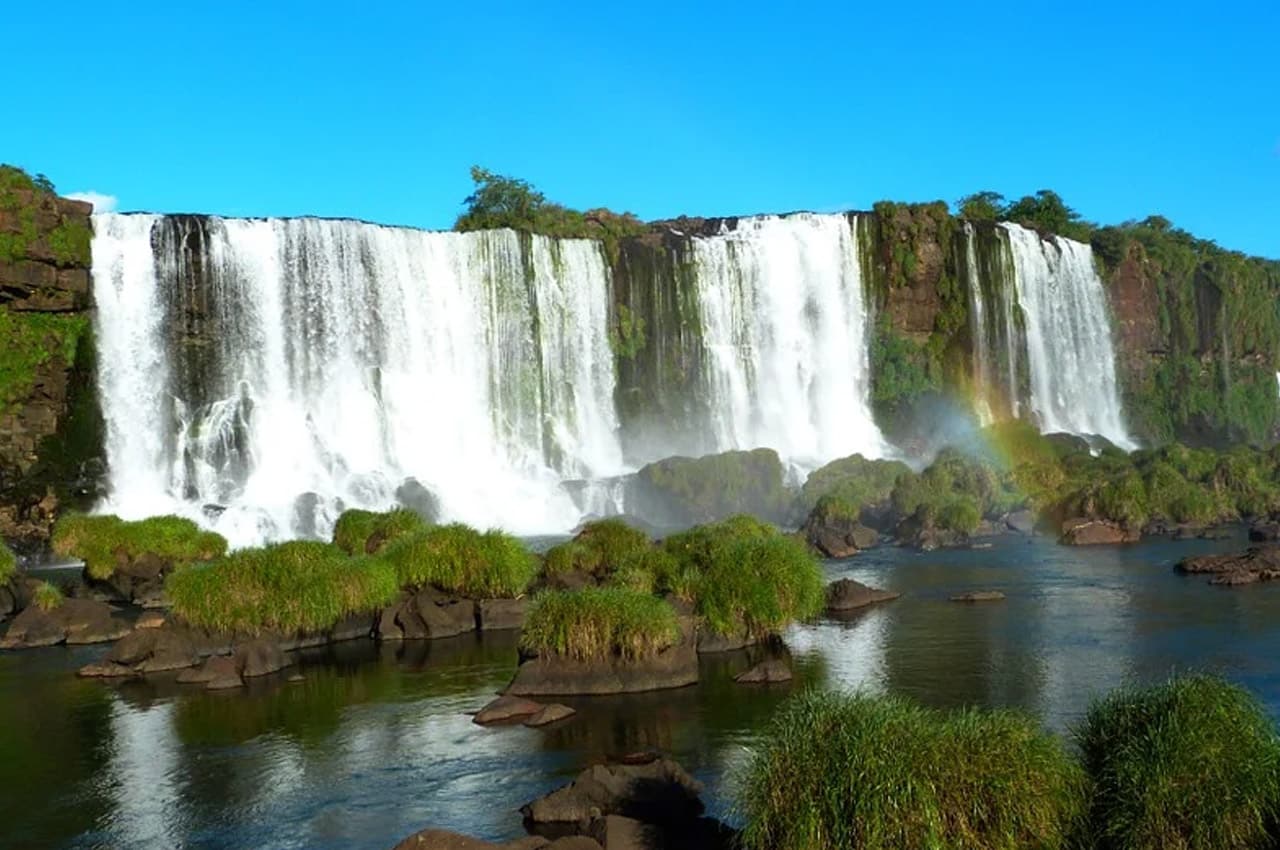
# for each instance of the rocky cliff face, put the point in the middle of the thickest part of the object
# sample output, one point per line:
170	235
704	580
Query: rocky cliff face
50	425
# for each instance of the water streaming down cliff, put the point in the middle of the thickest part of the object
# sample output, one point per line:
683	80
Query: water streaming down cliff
1070	358
281	370
785	327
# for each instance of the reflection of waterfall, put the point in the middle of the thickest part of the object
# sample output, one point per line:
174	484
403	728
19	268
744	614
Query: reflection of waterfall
1068	337
786	332
247	363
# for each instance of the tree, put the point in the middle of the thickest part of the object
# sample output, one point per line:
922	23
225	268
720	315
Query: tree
1045	210
981	206
499	201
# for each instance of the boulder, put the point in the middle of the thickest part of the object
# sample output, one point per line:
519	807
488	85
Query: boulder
505	709
8	601
675	667
33	627
155	650
848	595
219	672
74	621
838	537
654	791
978	596
415	496
261	657
766	672
149	620
1096	532
501	614
710	642
1255	564
1022	522
553	713
439	839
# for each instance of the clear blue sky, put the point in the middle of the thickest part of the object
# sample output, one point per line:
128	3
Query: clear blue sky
376	110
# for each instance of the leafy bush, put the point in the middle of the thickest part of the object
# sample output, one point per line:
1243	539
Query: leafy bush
595	624
359	532
458	559
47	596
101	541
287	587
839	772
1192	764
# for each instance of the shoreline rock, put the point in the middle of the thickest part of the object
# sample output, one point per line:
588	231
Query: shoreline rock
1253	565
1096	532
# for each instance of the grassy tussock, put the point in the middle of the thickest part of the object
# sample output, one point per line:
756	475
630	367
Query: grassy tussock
100	541
459	559
839	772
47	596
356	529
1193	764
8	563
596	624
599	548
287	587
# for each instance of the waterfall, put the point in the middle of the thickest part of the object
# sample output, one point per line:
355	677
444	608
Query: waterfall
982	367
262	375
785	328
1070	359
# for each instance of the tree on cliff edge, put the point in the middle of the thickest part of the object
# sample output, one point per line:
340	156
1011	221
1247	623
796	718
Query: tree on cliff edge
499	201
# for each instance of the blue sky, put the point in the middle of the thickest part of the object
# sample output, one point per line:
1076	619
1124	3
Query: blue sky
336	109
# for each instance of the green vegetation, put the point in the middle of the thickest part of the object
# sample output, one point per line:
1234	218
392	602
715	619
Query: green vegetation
8	563
30	341
710	488
288	587
955	492
459	559
47	596
902	373
854	481
839	772
103	542
598	549
596	624
359	532
1192	764
1044	211
627	335
67	243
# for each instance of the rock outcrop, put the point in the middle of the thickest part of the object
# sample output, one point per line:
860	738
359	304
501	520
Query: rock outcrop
73	621
1255	564
1096	532
846	595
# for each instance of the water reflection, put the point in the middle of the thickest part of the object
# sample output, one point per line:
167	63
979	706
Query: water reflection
375	742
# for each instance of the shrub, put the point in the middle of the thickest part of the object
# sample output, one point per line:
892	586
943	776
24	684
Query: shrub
762	584
101	541
47	596
302	585
458	559
839	771
359	532
1191	764
854	480
8	563
595	624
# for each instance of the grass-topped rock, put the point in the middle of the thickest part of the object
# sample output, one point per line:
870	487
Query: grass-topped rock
459	559
286	588
855	772
130	559
361	532
1191	764
598	549
679	491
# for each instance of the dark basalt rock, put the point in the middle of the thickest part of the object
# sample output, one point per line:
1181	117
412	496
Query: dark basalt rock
219	672
1253	565
501	614
766	672
655	791
415	496
711	642
675	667
1022	522
838	537
260	658
849	595
75	621
505	709
1096	532
427	613
1265	532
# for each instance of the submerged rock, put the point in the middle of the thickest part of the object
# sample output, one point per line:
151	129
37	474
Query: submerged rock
849	595
979	596
505	709
674	667
553	713
657	790
766	672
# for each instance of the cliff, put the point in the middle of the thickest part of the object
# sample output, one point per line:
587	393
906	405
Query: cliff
50	424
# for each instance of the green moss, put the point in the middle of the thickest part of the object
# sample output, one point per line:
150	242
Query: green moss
955	492
459	559
713	487
288	587
1193	764
359	532
102	541
596	624
47	596
30	341
627	337
8	563
22	195
854	480
856	772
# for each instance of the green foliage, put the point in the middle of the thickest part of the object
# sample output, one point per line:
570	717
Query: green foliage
713	487
596	624
572	556
30	341
598	549
359	532
855	772
955	492
47	596
901	373
8	563
627	336
102	541
287	587
981	206
23	195
1045	210
459	559
649	570
1192	764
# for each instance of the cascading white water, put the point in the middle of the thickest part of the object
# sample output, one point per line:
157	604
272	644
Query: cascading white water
785	327
1068	337
339	359
982	369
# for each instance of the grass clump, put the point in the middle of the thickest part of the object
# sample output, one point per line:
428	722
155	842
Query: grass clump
1192	764
598	549
360	532
103	541
459	559
302	585
596	624
839	771
8	563
47	596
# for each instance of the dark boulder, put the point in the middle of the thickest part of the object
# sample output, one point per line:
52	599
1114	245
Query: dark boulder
1255	564
848	595
653	791
415	496
674	667
978	596
766	672
553	713
1096	532
261	657
426	614
837	537
219	672
1264	532
1022	522
73	621
506	709
501	614
711	642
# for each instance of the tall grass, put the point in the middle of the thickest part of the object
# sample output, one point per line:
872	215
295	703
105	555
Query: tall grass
599	548
595	624
1192	764
359	532
287	587
47	596
101	541
459	559
839	771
